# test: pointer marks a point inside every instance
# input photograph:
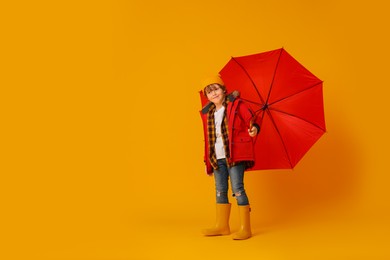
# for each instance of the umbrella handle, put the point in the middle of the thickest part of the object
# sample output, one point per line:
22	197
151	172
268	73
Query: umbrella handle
254	117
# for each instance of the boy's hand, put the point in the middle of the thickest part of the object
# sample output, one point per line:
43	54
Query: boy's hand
252	131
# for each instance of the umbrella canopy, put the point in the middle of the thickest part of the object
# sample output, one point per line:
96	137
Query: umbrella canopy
288	103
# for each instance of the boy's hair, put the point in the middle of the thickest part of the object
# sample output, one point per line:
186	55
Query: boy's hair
212	87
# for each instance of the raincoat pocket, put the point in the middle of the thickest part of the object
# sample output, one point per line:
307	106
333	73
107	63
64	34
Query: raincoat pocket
242	147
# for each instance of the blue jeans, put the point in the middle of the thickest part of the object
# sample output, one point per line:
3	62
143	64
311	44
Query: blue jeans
236	174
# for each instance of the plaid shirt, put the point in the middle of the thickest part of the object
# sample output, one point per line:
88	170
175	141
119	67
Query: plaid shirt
225	137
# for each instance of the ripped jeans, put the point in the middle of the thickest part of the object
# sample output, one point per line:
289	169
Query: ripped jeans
236	174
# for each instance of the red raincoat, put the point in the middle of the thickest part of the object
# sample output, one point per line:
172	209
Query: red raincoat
240	143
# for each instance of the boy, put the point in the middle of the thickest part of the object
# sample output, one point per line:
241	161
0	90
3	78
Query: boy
228	153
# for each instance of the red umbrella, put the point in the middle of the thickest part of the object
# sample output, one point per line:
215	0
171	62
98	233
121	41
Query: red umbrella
288	103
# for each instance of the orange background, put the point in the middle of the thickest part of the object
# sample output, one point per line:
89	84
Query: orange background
102	144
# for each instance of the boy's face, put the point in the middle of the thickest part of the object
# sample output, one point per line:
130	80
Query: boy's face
215	94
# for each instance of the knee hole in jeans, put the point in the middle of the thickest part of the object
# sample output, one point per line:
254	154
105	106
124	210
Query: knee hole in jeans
219	193
237	194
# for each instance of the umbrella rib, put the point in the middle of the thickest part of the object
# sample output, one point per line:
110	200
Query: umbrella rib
286	113
295	93
253	83
250	101
280	136
273	78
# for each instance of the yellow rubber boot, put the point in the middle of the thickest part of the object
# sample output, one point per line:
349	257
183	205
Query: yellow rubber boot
245	227
222	222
